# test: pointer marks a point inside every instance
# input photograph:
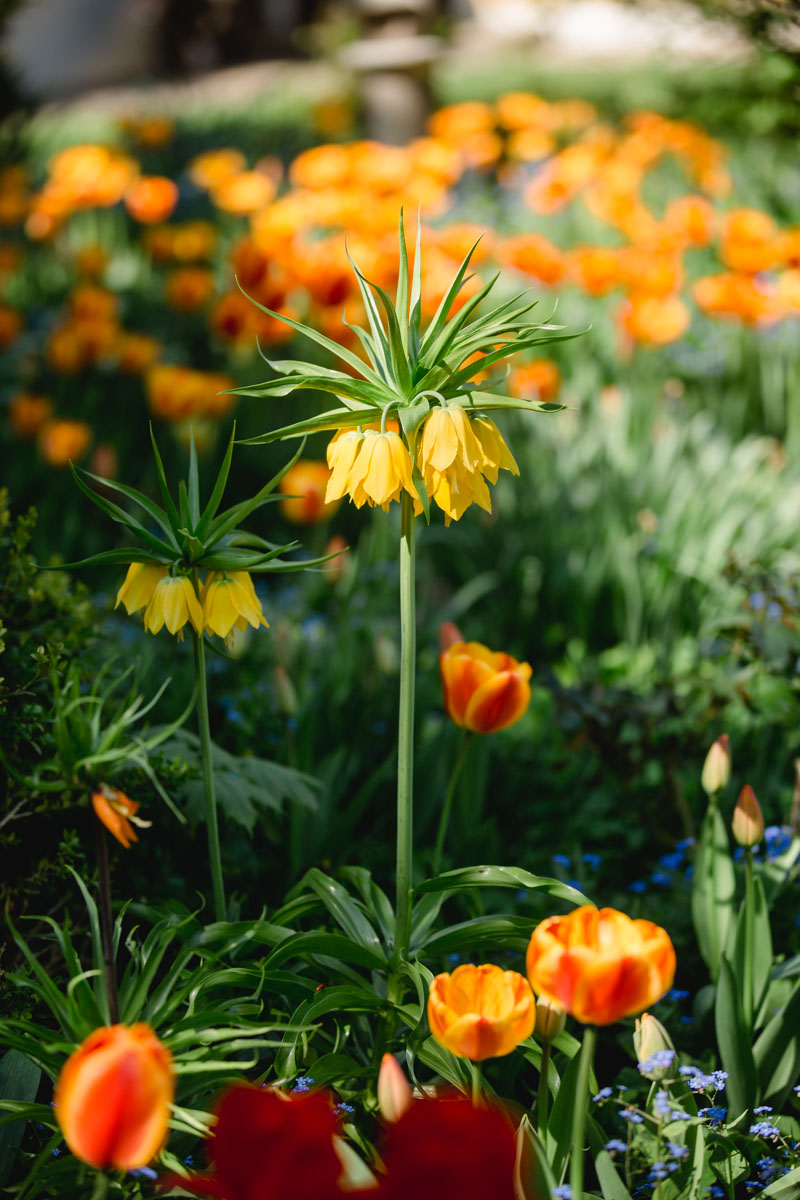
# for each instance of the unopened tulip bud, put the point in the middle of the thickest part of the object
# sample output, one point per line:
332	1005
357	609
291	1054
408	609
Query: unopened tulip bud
550	1020
653	1046
449	634
748	819
285	692
717	767
394	1093
387	655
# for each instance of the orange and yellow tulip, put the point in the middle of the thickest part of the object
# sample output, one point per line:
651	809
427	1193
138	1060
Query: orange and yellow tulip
600	965
113	1096
484	690
480	1012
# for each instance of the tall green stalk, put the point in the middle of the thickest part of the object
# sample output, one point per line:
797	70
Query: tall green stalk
579	1111
405	730
212	823
542	1111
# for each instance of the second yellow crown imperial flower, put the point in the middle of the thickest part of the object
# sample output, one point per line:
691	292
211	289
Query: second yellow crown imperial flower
370	466
458	453
139	585
173	603
230	601
480	1012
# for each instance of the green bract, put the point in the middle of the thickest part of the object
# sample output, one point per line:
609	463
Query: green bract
193	538
408	368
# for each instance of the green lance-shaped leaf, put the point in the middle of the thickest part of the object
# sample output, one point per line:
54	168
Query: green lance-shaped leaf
19	1081
762	945
733	1039
490	876
777	1053
713	889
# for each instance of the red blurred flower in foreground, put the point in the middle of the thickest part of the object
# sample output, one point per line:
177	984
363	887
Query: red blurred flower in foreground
448	1148
272	1147
269	1147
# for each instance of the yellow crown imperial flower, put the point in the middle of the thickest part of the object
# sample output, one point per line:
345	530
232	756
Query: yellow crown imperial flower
230	602
138	586
173	603
372	467
457	454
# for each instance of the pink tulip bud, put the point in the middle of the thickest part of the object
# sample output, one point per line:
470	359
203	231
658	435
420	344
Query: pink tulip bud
394	1093
748	819
449	634
717	767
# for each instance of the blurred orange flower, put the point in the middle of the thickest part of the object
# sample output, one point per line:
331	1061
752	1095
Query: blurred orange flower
537	380
303	487
113	1096
188	289
151	199
653	320
27	413
600	965
114	810
484	690
480	1012
63	441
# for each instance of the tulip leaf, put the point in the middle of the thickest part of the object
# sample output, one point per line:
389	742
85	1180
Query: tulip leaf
489	876
455	1070
713	889
785	1188
332	945
559	1125
510	933
346	911
762	945
777	1053
733	1039
611	1185
532	1175
19	1082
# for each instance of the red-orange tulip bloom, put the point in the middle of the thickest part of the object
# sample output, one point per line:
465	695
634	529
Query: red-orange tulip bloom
480	1012
600	965
112	1097
484	690
303	487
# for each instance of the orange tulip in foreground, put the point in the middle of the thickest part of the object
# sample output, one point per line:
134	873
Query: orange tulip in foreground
599	964
483	690
480	1012
113	1096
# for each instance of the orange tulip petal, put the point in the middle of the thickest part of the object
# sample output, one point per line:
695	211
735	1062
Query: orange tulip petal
498	703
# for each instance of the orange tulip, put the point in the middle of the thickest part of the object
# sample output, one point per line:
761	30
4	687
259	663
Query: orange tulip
600	965
27	413
116	811
62	441
304	486
480	1012
113	1095
484	690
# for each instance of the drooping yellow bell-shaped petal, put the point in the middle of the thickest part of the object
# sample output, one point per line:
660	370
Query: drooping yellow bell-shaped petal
343	449
230	600
139	585
496	454
458	452
173	603
373	467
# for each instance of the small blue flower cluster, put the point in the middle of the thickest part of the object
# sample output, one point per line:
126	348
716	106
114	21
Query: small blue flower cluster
616	1146
700	1082
765	1129
662	1060
303	1083
603	1094
715	1114
630	1114
563	1192
662	1105
660	1170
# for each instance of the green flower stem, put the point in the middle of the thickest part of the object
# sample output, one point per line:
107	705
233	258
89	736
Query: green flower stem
542	1110
748	999
579	1111
444	819
212	823
107	925
405	731
475	1070
100	1189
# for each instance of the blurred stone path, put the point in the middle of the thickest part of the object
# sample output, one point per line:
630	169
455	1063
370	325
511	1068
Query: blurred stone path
67	51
